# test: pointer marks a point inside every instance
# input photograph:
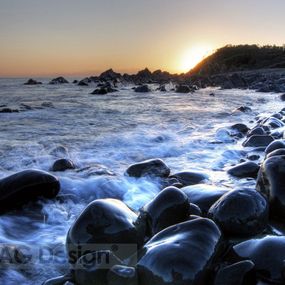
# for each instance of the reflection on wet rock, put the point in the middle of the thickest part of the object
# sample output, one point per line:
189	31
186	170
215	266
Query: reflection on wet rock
188	178
181	254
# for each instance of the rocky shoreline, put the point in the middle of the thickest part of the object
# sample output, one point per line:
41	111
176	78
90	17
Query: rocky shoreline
190	233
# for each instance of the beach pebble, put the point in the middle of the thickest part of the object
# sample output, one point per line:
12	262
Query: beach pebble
203	195
258	140
245	169
187	178
171	206
152	167
62	165
241	212
26	186
268	254
180	254
104	221
271	183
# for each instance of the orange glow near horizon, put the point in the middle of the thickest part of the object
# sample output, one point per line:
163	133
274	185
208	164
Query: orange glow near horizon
193	56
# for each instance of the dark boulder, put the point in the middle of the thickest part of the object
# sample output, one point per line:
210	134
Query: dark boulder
271	183
188	178
240	273
256	131
26	186
152	167
109	75
245	169
242	212
195	210
93	268
62	165
142	89
83	82
242	128
103	90
204	195
282	97
244	109
258	141
277	144
268	256
183	89
9	110
273	123
180	255
32	82
171	206
104	221
58	80
276	152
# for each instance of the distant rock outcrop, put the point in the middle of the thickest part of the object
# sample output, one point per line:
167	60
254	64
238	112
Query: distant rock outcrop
58	80
32	82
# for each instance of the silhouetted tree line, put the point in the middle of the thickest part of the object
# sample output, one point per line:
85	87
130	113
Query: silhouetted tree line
232	58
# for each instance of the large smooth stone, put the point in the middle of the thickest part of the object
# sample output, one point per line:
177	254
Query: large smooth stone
103	222
93	268
62	165
276	152
171	206
122	275
26	186
258	140
203	195
277	144
245	169
180	254
240	273
256	131
241	212
271	182
152	167
242	128
187	178
268	255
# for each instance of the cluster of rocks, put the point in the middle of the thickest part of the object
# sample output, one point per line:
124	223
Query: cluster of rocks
190	232
259	80
22	107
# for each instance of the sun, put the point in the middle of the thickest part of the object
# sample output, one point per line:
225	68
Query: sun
193	56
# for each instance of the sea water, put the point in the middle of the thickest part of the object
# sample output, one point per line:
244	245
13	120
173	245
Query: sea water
103	135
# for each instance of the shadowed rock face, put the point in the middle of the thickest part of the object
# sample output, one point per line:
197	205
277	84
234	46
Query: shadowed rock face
240	212
169	207
26	186
152	167
104	221
258	140
271	182
267	254
180	254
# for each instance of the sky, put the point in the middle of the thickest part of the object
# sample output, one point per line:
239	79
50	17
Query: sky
86	37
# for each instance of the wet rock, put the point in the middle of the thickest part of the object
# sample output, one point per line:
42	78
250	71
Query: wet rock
183	89
245	169
103	91
271	183
253	157
188	178
240	273
9	110
152	167
120	274
242	128
32	82
244	109
256	131
276	152
62	165
83	82
268	256
277	144
195	210
47	105
242	212
204	195
58	80
282	97
171	206
109	75
258	140
93	268
273	123
104	221
142	89
26	186
180	255
162	88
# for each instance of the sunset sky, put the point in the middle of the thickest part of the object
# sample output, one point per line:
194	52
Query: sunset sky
71	37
